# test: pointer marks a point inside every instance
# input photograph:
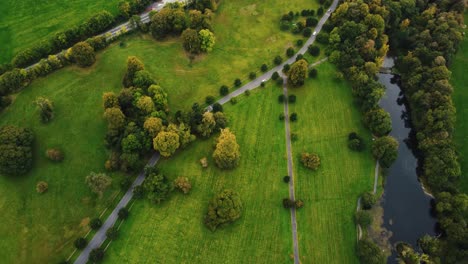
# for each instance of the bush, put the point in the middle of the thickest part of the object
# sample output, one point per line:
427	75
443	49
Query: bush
310	160
210	99
368	200
95	223
281	98
42	187
183	184
307	32
252	75
54	155
226	207
352	135
233	100
298	204
299	43
223	90
356	144
293	117
288	203
278	60
363	218
262	84
289	52
123	213
286	179
96	255
264	67
247	92
313	73
281	117
237	82
292	98
275	76
294	137
80	243
112	233
313	50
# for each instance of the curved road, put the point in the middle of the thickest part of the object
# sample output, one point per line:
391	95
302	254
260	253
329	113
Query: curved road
100	236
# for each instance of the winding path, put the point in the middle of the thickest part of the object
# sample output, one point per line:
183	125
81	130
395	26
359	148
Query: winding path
100	236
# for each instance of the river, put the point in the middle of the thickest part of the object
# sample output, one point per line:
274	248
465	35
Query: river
407	209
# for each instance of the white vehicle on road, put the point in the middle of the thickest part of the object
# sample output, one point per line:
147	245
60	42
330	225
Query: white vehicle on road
315	33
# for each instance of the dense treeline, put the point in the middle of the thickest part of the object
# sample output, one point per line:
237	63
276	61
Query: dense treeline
426	35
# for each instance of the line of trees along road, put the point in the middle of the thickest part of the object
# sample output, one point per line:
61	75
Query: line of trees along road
426	35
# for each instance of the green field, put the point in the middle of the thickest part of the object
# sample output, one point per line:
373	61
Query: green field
174	232
326	115
24	22
460	98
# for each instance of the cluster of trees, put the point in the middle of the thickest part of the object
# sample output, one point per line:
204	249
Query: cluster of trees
426	36
292	21
156	186
195	41
16	150
226	207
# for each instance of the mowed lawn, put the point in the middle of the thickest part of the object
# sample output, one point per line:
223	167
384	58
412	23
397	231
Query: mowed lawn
326	115
24	22
460	98
41	228
173	232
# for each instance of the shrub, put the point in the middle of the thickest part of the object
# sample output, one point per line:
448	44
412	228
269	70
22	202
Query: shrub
298	204
356	144
209	99
292	98
310	160
223	90
112	233
363	218
226	207
288	203
262	84
247	92
294	137
204	162
275	76
183	184
281	117
286	179
293	117
313	73
368	200
42	187
95	223
278	60
290	52
46	109
80	243
96	255
54	155
237	82
281	98
123	213
252	75
299	43
264	67
352	135
313	50
233	100
307	32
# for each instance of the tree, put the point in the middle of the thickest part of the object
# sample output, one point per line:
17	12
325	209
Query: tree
54	154
112	233
42	187
227	153
159	97
133	66
80	243
310	160
146	105
183	184
314	50
290	52
368	200
110	100
226	207
157	187
207	125
115	118
363	218
264	67
191	41
46	109
210	99
278	60
275	76
313	73
123	213
83	54
95	223
223	90
143	79
153	126
207	40
166	142
98	182
16	151
378	121
96	255
298	73
293	117
307	32
369	253
385	149
131	144
237	82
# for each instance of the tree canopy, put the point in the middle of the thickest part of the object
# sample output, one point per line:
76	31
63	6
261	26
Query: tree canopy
16	150
226	207
227	151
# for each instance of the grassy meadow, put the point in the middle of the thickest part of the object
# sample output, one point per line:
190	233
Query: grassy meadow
460	98
24	22
326	115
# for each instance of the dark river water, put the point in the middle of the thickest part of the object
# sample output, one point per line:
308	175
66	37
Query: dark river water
407	209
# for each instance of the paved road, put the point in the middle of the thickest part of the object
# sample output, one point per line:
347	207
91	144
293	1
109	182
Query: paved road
100	236
145	18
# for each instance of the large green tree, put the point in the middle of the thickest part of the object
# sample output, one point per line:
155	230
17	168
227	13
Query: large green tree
298	73
133	66
166	142
15	150
157	187
385	149
227	151
83	54
226	207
